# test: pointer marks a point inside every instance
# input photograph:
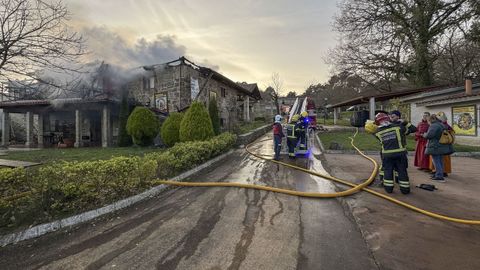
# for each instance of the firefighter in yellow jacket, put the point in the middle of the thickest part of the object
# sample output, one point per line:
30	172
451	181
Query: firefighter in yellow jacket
394	158
292	135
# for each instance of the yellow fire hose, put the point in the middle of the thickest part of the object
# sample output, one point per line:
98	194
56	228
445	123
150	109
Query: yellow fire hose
354	187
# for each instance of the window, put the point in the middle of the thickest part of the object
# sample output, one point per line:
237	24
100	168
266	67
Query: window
222	122
152	82
213	95
223	92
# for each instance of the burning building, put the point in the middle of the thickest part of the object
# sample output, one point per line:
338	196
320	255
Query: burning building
172	86
86	114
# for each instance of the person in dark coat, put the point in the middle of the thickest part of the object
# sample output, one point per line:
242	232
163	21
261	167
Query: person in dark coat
435	148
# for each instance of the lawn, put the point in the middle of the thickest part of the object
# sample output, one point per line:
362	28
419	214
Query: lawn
368	142
329	122
247	127
52	155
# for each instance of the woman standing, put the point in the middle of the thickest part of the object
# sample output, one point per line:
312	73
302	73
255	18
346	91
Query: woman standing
422	160
435	148
447	161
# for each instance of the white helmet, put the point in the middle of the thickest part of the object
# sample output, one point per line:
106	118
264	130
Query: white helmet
278	118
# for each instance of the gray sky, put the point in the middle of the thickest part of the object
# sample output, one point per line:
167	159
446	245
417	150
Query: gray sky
246	40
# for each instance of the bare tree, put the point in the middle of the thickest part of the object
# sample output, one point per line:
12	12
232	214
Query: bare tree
277	85
35	36
386	41
458	57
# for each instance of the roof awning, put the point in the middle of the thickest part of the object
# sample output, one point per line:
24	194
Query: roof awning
383	97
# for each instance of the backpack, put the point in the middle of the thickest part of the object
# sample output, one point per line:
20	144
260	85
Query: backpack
448	137
277	129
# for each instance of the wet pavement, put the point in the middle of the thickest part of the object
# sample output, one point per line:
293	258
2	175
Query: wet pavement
213	228
402	239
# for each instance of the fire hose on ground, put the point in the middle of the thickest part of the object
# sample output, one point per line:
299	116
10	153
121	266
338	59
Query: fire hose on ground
354	188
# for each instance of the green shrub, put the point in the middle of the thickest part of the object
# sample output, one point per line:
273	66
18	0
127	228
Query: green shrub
196	124
20	210
71	187
143	125
170	129
186	155
213	112
260	118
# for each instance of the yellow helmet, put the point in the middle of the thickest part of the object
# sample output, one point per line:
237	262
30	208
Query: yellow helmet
304	114
370	127
295	118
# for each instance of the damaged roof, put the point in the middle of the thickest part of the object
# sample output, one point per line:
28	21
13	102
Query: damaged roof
207	71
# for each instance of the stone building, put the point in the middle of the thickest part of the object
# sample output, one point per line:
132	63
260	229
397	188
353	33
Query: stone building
172	86
88	115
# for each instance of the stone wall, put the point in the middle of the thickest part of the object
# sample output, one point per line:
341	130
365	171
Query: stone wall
175	83
253	135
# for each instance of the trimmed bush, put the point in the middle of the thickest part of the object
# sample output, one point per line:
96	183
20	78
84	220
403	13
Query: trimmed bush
143	125
213	112
187	155
170	129
72	187
102	182
196	124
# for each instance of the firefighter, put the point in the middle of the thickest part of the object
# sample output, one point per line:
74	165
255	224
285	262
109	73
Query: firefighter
292	139
277	136
302	130
396	119
393	152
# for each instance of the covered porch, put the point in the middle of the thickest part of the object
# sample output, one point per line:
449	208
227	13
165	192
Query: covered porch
70	122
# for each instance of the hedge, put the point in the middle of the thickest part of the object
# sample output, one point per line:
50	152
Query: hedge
73	187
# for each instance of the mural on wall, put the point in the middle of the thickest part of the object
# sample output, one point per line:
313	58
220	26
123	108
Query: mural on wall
161	102
464	120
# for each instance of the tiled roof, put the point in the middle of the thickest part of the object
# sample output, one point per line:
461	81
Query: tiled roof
453	98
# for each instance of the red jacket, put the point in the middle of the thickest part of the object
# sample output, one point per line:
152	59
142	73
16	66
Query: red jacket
422	127
278	130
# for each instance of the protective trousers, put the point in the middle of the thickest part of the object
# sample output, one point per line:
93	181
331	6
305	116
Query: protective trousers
292	144
277	141
396	162
303	139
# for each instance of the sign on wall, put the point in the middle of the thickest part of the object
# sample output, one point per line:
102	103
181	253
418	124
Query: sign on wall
464	120
195	88
161	102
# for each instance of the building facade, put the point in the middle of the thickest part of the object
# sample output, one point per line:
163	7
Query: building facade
461	105
91	116
173	86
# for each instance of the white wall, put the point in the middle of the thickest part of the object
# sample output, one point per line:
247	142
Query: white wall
417	113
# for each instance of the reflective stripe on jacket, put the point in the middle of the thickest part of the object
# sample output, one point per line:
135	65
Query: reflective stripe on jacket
392	139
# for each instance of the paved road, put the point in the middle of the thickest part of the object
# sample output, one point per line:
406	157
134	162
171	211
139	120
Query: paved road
212	228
